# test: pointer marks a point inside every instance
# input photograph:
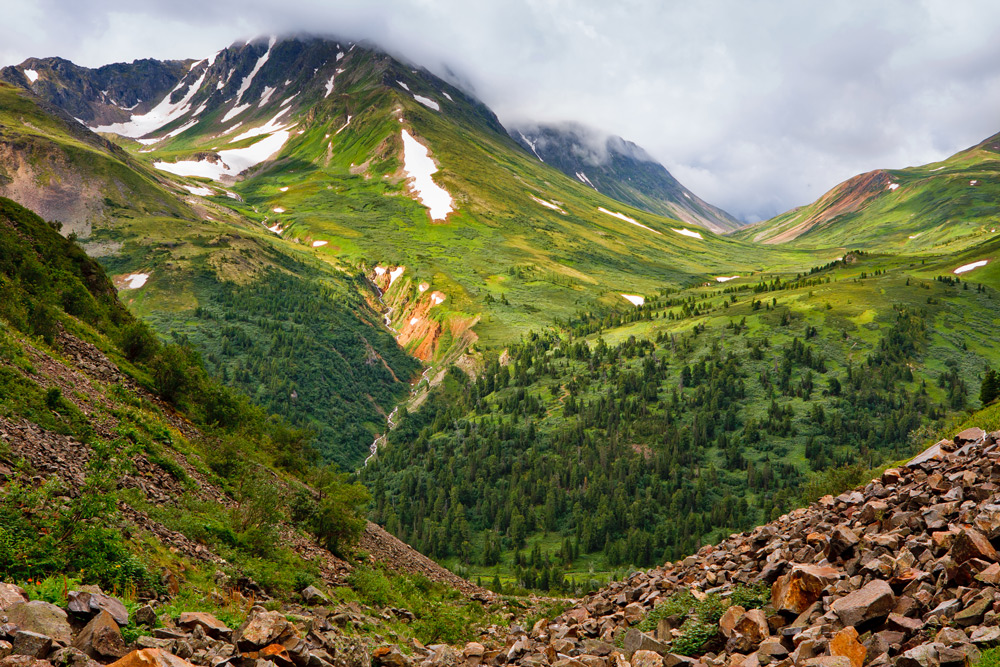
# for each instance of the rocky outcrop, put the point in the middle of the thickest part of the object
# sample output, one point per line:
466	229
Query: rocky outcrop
903	571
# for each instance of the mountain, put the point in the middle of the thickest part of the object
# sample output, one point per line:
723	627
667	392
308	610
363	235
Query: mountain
330	142
201	271
621	170
944	205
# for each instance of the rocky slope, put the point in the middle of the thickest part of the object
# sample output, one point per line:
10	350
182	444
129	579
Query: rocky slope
902	571
621	170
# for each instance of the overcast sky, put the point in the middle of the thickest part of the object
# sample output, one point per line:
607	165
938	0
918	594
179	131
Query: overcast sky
756	106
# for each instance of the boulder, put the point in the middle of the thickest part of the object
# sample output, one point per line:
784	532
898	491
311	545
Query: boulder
43	618
795	591
970	543
31	643
646	659
24	661
842	541
973	613
262	629
846	643
212	626
728	620
145	615
874	600
640	641
11	594
88	603
390	656
150	657
314	596
101	638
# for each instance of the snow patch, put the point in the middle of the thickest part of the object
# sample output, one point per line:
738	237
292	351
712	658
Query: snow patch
913	236
938	168
288	99
231	162
248	79
162	114
448	96
403	85
343	126
380	270
725	279
687	232
339	56
583	179
547	204
892	186
427	102
267	128
268	91
395	273
423	287
414	320
635	299
419	166
200	191
276	229
31	74
284	189
182	128
278	209
235	111
319	244
622	216
135	280
973	183
974	265
437	298
532	145
329	86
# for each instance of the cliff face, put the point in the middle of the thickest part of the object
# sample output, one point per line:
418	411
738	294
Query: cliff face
902	571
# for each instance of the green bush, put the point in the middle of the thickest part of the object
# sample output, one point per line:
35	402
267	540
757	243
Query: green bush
989	658
695	638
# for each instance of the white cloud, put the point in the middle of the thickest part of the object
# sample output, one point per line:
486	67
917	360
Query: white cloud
756	107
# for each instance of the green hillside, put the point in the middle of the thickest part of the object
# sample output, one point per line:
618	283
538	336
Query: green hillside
215	279
635	437
944	206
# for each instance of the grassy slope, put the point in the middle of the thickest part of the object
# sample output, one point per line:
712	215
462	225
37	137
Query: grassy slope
347	188
851	314
202	254
935	208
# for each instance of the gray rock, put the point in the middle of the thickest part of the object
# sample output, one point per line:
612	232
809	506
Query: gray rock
43	618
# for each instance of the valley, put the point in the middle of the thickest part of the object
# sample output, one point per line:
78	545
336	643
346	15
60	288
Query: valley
301	329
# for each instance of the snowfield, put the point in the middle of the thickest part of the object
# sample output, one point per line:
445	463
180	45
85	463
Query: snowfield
635	299
200	191
687	232
419	166
427	102
622	216
725	279
395	273
31	74
160	115
892	186
135	280
319	244
231	162
974	265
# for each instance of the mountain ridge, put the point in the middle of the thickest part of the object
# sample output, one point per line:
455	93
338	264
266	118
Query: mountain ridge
620	169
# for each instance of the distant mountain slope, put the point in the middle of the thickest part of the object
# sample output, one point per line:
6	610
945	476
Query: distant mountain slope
621	170
950	205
